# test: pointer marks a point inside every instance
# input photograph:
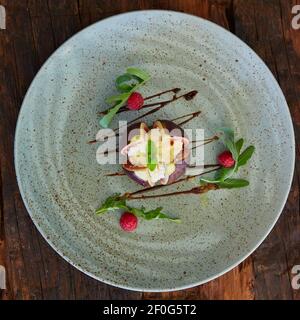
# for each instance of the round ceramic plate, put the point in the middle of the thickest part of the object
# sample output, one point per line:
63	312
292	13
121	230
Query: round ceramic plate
62	184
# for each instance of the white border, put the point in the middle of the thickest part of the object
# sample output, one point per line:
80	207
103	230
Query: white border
191	284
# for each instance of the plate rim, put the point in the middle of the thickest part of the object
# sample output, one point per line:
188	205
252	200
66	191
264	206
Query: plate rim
230	267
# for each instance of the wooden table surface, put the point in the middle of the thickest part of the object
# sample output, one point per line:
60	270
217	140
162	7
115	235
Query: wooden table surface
35	28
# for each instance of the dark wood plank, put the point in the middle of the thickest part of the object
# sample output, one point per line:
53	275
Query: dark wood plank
2	235
234	285
274	40
35	271
13	85
42	32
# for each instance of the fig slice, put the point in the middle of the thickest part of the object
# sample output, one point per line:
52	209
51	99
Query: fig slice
176	132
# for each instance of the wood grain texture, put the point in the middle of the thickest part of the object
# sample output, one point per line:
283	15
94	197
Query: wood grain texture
35	28
274	40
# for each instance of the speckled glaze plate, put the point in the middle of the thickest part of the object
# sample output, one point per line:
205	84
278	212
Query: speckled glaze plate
62	184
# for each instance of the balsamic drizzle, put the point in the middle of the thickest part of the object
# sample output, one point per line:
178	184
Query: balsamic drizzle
205	141
190	116
124	109
116	174
188	178
187	96
196	190
139	194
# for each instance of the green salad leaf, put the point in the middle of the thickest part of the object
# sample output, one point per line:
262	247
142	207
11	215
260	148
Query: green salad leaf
116	202
223	176
234	183
152	214
140	74
127	83
117	98
239	145
245	156
112	203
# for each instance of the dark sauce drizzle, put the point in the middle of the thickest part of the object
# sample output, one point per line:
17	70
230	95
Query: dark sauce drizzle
205	141
216	166
124	108
189	116
188	178
159	105
196	190
187	96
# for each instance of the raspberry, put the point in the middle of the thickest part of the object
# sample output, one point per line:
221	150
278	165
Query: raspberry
135	101
226	160
128	222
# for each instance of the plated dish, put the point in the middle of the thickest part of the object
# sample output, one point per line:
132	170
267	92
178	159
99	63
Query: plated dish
161	154
63	184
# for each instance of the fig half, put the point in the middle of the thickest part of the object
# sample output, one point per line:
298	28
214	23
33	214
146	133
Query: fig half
171	129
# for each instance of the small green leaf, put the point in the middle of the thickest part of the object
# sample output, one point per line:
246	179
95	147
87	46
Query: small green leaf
228	139
239	145
151	155
221	175
153	214
106	119
117	98
112	203
151	166
232	148
115	202
234	183
208	180
124	83
245	156
224	173
143	75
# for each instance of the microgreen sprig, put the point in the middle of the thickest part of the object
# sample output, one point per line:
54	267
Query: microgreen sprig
223	176
127	83
116	202
151	155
